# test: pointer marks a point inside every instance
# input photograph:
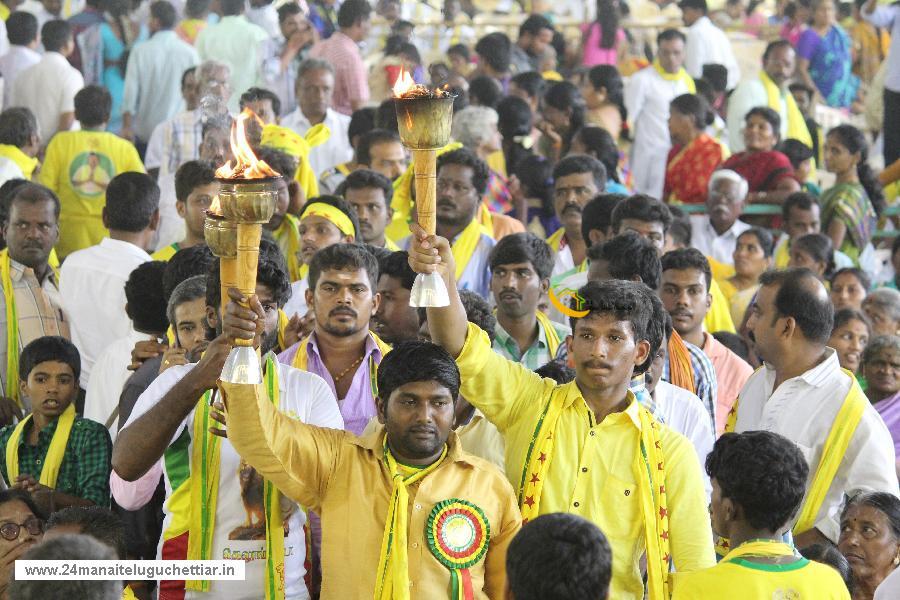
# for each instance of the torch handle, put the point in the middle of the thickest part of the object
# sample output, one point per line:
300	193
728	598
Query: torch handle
227	277
248	238
425	172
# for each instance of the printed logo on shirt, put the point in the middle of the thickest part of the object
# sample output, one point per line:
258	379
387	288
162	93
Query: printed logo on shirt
90	173
569	302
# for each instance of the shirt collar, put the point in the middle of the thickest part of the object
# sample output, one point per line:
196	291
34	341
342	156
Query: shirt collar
123	246
17	271
818	375
502	336
371	347
731	232
573	394
374	441
43	436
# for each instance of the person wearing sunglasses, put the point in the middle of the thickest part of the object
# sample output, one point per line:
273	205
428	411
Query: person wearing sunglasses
21	528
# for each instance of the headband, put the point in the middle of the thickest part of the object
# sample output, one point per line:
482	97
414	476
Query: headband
333	214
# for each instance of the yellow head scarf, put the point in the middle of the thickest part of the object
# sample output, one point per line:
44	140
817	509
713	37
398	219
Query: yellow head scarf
288	141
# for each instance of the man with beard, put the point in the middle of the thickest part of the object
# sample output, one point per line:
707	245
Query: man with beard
341	349
170	428
576	179
370	193
395	320
715	234
520	275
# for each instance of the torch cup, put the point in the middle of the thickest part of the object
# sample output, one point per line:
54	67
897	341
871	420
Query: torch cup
248	203
424	124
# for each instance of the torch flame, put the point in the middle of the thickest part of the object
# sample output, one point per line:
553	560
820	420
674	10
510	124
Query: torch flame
247	166
214	208
404	83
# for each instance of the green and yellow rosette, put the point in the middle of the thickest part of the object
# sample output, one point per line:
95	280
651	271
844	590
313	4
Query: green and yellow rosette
458	534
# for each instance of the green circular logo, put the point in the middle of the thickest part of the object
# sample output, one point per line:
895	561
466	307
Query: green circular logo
90	173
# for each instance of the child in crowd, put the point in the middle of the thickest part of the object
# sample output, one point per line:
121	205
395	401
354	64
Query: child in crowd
801	157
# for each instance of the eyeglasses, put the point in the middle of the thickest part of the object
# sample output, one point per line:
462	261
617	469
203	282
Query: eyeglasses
10	531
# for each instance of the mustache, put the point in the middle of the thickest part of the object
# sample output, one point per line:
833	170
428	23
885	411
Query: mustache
509	294
597	364
572	206
681	312
342	310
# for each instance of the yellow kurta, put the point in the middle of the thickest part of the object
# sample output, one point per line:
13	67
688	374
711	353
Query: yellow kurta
591	473
344	479
78	166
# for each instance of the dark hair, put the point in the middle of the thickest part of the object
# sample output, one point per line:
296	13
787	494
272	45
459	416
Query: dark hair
478	311
854	141
531	82
687	258
55	34
386	116
49	348
288	10
846	315
642	207
557	370
600	144
485	91
466	158
379	252
184	264
608	20
735	343
352	257
21	28
189	71
17	495
271	271
696	107
895	245
521	248
535	173
773	46
98	522
761	471
597	214
534	24
861	276
820	248
628	255
191	175
17	126
372	138
259	94
396	265
196	8
887	504
680	230
67	548
796	151
514	120
582	163
93	105
495	50
232	7
827	553
801	87
800	200
609	78
769	115
460	50
340	204
798	298
363	179
763	237
28	193
716	75
164	13
563	96
669	35
131	200
353	11
414	361
282	162
559	556
362	121
146	298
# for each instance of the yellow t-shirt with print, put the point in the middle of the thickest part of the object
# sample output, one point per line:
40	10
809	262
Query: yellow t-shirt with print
78	166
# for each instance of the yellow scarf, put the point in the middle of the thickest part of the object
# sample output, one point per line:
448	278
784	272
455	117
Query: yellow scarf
681	75
55	452
12	329
301	359
204	491
288	141
128	594
464	245
550	334
4	11
648	470
486	220
392	582
555	240
767	548
27	164
288	237
782	255
836	445
796	124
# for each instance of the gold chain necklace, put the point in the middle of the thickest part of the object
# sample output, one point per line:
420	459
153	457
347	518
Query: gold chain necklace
347	370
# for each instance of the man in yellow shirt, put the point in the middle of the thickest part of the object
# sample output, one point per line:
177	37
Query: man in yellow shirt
587	447
758	480
80	164
414	514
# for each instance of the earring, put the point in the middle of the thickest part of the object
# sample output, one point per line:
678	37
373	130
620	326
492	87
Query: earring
896	560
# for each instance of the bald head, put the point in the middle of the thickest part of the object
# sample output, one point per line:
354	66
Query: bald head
801	296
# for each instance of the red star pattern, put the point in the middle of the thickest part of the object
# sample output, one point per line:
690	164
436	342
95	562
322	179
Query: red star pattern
663	513
550	436
656	443
664	535
529	501
535	478
662	489
666	557
543	457
725	544
659	466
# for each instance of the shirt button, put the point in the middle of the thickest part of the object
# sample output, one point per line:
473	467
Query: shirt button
38	461
584	469
418	507
593	432
576	504
415	544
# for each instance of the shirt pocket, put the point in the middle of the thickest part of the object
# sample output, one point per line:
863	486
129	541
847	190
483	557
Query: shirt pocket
619	508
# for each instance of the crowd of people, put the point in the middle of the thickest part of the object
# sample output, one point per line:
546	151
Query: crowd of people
669	366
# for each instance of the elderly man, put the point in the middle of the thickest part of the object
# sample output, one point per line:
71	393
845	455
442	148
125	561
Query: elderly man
715	233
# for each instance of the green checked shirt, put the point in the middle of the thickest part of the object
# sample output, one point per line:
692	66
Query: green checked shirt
534	357
85	467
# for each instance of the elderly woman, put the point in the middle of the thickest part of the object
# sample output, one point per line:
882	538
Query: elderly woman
21	527
870	540
824	58
883	308
694	155
881	368
769	173
849	336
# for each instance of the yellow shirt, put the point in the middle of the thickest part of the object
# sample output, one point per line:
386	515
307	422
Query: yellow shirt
741	579
718	318
344	479
591	474
78	166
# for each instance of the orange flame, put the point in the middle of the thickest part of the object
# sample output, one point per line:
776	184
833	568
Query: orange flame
247	166
214	208
404	83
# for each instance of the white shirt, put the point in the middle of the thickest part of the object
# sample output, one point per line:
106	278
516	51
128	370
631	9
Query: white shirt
153	80
13	62
335	150
749	94
803	410
240	44
171	225
9	170
721	247
647	98
92	286
297	304
40	13
48	88
707	44
4	39
889	589
108	377
174	142
303	396
266	18
684	412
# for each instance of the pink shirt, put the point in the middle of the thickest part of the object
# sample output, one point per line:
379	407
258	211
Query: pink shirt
132	495
595	55
731	375
350	77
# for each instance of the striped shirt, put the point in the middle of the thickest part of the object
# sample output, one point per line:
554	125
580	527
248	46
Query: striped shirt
705	382
351	82
537	355
174	142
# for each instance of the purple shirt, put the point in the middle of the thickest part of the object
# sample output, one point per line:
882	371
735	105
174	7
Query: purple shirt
889	409
358	406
